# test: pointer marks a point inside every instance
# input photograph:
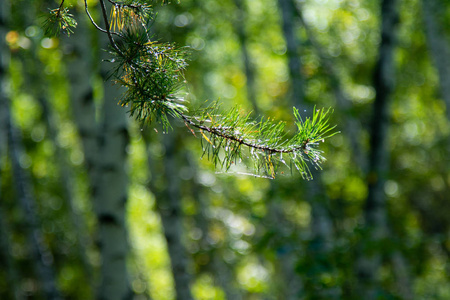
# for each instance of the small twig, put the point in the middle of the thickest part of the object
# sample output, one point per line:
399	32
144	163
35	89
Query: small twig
62	3
59	9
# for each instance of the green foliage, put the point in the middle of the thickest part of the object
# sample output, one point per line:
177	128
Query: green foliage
59	20
152	72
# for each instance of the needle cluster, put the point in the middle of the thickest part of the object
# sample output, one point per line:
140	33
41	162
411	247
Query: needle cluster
59	20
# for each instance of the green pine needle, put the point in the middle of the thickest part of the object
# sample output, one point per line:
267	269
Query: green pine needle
59	20
225	135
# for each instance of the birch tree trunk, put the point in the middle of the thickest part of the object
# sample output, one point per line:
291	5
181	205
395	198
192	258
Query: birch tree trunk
104	143
78	59
111	194
81	73
375	210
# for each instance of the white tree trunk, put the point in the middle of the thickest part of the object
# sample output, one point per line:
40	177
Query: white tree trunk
221	270
104	143
111	194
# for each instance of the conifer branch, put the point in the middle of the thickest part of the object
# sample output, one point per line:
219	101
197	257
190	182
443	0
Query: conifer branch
152	72
58	20
265	140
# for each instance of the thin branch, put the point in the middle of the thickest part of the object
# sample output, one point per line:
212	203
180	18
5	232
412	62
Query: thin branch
220	133
61	5
105	18
59	9
95	24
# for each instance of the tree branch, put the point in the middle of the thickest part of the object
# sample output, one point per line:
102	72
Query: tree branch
222	132
94	23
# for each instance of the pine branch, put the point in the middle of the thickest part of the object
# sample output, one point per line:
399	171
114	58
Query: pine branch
152	72
59	20
265	141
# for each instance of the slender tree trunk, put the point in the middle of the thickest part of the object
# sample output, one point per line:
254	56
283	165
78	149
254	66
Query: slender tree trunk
239	27
292	44
169	206
168	201
79	58
5	237
438	44
375	211
41	254
321	224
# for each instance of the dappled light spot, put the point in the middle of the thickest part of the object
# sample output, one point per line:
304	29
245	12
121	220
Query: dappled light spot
391	188
183	19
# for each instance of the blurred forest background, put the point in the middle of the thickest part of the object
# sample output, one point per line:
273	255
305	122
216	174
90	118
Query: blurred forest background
96	205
